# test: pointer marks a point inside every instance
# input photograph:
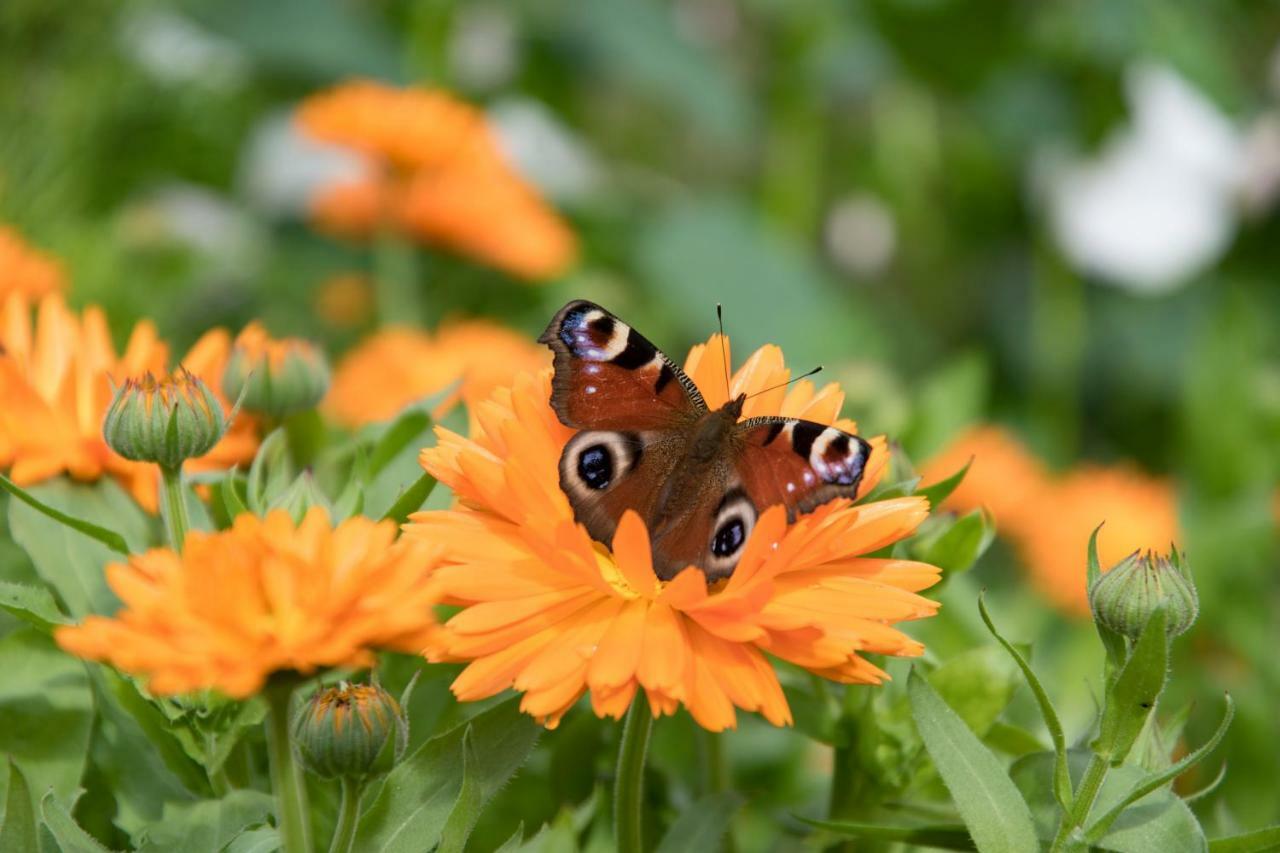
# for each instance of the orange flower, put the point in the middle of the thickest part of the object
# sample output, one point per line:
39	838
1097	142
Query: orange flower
1139	512
345	300
439	177
26	270
399	366
553	614
1004	477
264	596
55	387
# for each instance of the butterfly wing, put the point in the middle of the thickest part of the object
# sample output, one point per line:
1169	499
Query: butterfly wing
610	377
799	464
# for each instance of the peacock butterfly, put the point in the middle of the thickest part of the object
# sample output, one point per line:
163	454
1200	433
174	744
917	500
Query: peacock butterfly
648	442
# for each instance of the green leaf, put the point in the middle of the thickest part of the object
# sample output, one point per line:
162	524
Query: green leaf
941	490
1012	740
70	563
944	837
703	824
1159	780
1133	694
1161	823
947	401
270	473
18	829
229	491
46	712
259	839
992	809
1061	780
411	499
419	795
977	685
206	826
466	811
110	538
32	604
1248	842
960	545
70	836
407	426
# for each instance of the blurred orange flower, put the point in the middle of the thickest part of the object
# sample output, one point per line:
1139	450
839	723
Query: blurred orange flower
264	596
399	366
1139	511
345	300
1004	476
438	176
550	612
1049	518
56	384
26	270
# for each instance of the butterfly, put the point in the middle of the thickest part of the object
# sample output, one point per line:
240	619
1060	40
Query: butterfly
647	441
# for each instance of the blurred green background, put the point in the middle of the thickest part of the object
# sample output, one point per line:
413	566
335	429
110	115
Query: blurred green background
1060	216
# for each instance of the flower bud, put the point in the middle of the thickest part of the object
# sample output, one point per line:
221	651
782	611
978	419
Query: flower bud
274	377
164	420
1124	598
351	730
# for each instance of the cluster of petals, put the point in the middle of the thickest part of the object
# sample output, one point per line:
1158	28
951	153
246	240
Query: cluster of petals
398	366
436	175
550	612
57	371
25	269
264	596
1049	517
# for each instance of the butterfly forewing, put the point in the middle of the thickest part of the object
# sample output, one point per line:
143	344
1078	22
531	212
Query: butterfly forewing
608	376
799	464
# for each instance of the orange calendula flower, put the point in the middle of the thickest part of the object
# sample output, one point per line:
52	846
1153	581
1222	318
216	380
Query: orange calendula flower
1004	476
264	596
550	612
56	378
1140	512
438	176
399	366
26	270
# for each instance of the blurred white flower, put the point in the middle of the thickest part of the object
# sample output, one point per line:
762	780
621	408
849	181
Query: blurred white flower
282	168
861	235
544	150
198	218
1262	164
1158	204
483	50
174	49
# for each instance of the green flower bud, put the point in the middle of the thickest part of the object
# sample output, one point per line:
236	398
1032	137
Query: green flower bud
274	377
352	730
164	420
1124	598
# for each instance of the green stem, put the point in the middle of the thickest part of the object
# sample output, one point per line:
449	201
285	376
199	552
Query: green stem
628	786
1070	833
396	280
716	764
344	834
286	776
174	506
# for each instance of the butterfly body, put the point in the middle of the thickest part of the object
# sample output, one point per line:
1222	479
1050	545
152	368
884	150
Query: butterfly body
648	442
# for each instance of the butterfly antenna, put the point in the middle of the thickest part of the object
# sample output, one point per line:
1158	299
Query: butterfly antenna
817	369
724	351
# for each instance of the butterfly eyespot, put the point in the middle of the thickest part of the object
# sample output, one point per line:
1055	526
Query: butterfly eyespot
595	466
729	538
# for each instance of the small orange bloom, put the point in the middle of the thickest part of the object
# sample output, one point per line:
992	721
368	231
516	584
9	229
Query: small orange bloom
56	385
438	176
1140	512
398	366
25	270
264	596
345	300
550	612
1004	476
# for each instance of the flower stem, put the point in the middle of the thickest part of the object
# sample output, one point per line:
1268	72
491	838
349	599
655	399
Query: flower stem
286	776
344	834
1081	803
628	785
396	280
175	506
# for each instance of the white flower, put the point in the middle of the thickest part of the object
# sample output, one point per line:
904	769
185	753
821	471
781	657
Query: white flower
1158	205
282	168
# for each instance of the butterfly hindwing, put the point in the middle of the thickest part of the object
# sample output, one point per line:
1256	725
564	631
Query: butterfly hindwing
610	377
799	464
